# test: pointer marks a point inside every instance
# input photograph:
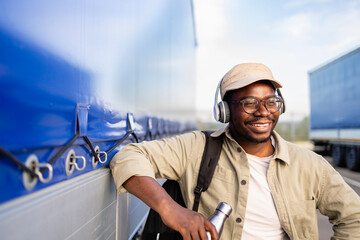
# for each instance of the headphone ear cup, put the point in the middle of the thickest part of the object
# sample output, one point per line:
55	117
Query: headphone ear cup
224	112
283	107
278	93
216	112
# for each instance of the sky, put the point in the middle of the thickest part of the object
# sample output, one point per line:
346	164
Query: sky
291	37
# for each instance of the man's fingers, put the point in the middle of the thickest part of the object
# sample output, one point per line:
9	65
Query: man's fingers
195	235
198	232
211	229
191	225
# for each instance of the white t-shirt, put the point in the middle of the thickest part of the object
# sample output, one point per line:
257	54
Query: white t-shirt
261	219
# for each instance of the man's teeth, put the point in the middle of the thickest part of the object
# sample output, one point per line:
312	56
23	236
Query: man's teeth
260	124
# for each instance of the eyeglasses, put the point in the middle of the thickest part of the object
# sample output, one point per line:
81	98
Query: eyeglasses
251	104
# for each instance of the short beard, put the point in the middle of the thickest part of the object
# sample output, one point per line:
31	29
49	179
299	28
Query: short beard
256	141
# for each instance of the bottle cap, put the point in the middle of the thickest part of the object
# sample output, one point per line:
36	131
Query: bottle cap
225	208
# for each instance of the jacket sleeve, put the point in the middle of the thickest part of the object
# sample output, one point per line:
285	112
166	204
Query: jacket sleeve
164	158
340	203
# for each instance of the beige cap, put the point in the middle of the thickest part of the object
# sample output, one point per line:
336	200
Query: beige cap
245	74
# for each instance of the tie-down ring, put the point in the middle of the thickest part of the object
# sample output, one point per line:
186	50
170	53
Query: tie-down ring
71	162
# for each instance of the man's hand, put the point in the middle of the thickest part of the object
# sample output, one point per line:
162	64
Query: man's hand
190	224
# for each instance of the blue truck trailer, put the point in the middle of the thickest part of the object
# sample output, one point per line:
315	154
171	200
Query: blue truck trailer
335	112
79	80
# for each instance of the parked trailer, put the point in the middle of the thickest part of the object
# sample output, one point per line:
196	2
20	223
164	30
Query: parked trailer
79	80
335	113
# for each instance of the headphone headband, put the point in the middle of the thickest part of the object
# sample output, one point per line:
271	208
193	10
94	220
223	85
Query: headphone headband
216	111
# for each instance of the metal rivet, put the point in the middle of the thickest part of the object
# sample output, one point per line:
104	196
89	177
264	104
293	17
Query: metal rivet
28	181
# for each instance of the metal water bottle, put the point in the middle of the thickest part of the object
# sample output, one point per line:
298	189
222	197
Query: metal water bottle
222	212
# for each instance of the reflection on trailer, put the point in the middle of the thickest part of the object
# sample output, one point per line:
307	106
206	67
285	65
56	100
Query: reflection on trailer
78	81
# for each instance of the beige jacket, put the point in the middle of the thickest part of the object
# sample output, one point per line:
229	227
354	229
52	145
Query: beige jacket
300	182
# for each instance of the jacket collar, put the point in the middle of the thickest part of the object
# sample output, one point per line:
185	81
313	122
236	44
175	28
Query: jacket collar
281	149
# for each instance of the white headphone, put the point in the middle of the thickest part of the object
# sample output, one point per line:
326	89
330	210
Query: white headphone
222	111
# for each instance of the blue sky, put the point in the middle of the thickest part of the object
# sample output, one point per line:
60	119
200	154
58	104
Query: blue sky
291	37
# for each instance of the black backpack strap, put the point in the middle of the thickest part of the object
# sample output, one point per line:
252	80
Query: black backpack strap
209	160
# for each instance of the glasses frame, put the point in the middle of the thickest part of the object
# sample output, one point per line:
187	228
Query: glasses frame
242	101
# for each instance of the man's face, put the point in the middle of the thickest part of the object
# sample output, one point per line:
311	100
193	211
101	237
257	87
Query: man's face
255	127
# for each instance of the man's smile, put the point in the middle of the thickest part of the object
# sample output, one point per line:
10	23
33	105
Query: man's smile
260	126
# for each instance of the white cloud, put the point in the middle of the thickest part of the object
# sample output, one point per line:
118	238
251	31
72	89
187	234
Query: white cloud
301	3
345	28
299	26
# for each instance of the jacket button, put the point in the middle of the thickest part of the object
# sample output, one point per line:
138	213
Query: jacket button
238	220
243	182
239	149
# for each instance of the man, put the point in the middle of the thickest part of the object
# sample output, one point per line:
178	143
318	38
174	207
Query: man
273	186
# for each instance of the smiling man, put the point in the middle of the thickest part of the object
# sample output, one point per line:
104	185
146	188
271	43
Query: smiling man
255	110
273	186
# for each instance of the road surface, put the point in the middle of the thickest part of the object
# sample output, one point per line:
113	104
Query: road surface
353	179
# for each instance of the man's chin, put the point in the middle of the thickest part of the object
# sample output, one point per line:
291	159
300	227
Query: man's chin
259	139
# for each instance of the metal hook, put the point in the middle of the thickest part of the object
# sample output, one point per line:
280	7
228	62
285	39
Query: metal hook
158	126
98	152
77	165
149	124
33	163
40	175
71	163
150	127
130	118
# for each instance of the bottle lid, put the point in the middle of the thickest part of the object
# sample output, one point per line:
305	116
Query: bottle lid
225	208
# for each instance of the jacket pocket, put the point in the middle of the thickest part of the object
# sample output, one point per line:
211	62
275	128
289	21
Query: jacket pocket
220	190
305	219
223	174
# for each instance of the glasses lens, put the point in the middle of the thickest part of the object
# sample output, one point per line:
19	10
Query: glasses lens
273	104
250	105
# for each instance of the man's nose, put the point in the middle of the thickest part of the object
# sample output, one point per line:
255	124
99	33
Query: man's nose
262	111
